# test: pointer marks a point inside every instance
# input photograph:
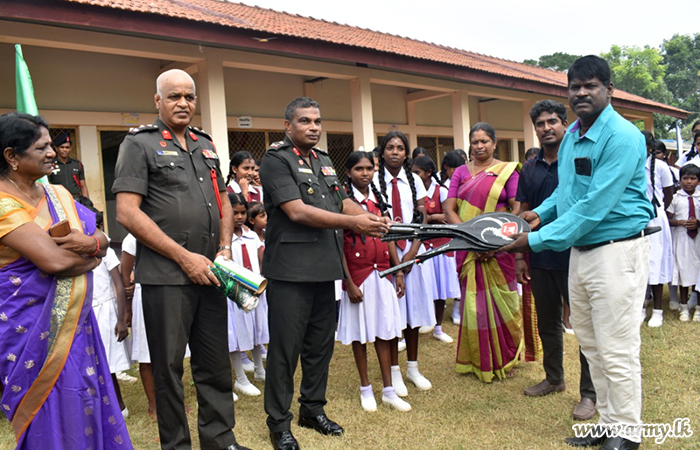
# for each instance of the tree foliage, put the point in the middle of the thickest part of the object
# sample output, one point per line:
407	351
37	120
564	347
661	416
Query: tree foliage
557	61
681	56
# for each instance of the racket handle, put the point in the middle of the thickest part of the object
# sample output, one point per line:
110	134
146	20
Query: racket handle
396	237
393	270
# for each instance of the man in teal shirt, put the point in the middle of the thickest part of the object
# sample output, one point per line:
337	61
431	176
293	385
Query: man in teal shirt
600	208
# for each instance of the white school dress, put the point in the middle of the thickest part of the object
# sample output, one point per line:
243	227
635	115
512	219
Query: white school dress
417	307
661	255
445	266
104	305
255	193
378	316
685	249
139	341
242	326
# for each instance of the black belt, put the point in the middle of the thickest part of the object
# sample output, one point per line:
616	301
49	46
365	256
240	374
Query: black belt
645	232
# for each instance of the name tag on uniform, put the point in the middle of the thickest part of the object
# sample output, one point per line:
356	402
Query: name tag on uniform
167	152
328	171
304	170
210	154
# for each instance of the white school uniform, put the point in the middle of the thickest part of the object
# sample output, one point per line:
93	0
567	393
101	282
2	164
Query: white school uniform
139	341
661	256
104	305
445	267
378	316
417	308
251	188
245	332
686	250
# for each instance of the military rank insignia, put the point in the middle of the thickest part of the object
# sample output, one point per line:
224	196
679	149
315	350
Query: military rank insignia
328	171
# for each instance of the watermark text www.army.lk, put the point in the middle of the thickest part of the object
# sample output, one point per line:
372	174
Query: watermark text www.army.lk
680	428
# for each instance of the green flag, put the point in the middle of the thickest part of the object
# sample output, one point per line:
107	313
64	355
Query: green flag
23	82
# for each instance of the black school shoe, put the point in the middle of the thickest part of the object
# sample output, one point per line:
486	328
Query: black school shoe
322	424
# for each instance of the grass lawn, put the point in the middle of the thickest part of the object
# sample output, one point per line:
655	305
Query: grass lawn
460	412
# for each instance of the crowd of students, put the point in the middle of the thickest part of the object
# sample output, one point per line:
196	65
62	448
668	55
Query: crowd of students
371	309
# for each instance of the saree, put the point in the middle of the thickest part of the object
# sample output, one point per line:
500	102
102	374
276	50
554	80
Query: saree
490	339
58	390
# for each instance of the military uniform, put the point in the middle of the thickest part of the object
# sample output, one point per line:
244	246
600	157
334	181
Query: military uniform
178	192
301	264
69	175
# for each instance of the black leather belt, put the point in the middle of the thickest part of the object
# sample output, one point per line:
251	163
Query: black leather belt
645	232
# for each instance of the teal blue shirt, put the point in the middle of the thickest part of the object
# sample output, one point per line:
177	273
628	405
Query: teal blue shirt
611	202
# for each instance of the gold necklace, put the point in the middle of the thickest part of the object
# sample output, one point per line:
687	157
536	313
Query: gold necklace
32	201
472	166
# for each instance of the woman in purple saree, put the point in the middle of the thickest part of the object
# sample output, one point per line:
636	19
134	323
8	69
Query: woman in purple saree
57	389
490	333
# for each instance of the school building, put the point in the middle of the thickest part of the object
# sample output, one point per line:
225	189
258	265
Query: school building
94	64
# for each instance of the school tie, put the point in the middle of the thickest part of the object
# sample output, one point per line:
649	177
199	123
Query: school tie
396	208
691	215
246	258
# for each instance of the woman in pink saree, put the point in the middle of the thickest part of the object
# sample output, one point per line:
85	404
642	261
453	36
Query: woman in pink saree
57	389
490	333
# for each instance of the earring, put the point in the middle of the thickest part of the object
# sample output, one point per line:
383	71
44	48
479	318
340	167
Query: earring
14	166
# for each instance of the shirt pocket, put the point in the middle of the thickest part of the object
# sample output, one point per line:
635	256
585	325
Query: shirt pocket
170	174
310	189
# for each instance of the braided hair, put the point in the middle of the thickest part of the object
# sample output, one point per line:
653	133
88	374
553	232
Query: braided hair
236	161
417	215
649	140
351	162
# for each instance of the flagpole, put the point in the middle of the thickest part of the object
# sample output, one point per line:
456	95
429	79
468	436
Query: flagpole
26	103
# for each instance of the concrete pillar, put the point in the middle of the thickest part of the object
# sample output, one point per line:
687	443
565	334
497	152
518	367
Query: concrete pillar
649	124
212	104
413	134
362	118
528	127
91	157
461	122
514	154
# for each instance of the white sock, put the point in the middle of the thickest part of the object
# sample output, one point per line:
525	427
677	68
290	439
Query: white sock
412	369
389	392
257	360
238	368
657	312
455	307
366	391
438	329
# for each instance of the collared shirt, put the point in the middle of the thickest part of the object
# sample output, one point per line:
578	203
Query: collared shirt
296	252
178	195
68	174
404	190
610	202
538	180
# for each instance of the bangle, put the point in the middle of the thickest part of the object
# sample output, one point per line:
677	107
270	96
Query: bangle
400	274
97	249
223	247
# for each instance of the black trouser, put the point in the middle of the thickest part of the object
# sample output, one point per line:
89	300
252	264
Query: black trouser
301	319
548	288
174	316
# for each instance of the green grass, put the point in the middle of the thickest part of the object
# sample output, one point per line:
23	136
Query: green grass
460	412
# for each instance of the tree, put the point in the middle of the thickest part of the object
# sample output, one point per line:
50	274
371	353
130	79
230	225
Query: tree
682	59
641	71
557	61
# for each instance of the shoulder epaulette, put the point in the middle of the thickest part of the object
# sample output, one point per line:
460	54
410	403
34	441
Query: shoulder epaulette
201	133
276	145
142	128
323	152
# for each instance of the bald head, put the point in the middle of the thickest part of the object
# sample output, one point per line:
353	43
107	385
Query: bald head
171	76
175	99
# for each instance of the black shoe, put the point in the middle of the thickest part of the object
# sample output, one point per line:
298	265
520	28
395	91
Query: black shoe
322	424
283	440
236	446
619	443
594	437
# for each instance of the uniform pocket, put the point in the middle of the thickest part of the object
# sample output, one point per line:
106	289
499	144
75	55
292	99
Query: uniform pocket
170	174
310	190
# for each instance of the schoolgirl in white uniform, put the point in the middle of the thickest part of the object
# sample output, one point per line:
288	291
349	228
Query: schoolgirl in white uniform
447	282
406	193
369	306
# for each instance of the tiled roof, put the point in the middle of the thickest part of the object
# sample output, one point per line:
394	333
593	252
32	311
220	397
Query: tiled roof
274	23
